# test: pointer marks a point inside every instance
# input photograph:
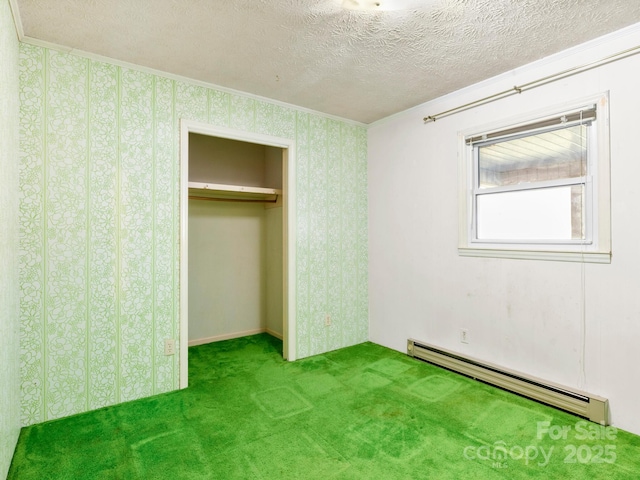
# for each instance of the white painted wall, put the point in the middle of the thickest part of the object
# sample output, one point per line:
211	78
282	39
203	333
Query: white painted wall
235	249
273	167
227	269
274	244
274	274
226	161
523	314
235	269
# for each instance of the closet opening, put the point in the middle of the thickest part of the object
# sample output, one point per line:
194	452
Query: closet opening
236	242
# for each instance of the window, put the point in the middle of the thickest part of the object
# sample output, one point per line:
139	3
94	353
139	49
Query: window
539	188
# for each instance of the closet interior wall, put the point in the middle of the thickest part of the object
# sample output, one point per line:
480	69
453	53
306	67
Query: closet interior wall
235	247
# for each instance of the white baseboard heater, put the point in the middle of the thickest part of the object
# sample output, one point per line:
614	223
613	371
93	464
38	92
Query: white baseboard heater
577	402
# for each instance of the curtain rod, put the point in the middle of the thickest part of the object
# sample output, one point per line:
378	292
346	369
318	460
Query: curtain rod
536	83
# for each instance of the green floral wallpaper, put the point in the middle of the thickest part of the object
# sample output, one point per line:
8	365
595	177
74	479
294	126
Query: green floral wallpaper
9	286
99	226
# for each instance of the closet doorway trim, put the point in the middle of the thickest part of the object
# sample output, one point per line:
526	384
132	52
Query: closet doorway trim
289	227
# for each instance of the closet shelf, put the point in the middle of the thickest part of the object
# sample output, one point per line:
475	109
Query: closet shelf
239	193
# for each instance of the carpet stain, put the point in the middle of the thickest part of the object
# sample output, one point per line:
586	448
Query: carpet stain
369	380
318	384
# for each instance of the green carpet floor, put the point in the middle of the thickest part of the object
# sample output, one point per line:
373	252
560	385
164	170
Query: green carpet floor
364	412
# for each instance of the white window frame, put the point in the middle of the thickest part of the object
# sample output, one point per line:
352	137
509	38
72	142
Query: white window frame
596	247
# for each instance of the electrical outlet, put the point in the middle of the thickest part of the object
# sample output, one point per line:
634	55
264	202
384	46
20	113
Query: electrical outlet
327	321
169	346
464	335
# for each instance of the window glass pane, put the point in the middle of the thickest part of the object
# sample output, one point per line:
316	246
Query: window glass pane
538	214
553	155
578	218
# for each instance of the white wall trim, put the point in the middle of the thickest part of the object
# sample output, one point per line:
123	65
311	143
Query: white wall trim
289	226
585	257
230	336
273	333
171	76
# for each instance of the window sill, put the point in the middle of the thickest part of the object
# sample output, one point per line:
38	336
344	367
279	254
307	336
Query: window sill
581	257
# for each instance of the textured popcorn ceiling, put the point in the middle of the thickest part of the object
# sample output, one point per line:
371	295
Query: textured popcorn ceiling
315	54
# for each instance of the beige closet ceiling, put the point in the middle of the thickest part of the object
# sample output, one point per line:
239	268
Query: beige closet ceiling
314	53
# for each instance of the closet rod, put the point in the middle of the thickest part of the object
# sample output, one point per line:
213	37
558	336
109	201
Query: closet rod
536	83
243	200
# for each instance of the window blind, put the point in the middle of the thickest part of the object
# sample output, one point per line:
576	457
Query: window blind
582	116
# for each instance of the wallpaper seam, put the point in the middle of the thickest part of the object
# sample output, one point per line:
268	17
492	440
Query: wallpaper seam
308	246
327	205
175	236
45	152
154	211
295	278
254	114
341	190
209	93
363	201
88	240
118	234
358	262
